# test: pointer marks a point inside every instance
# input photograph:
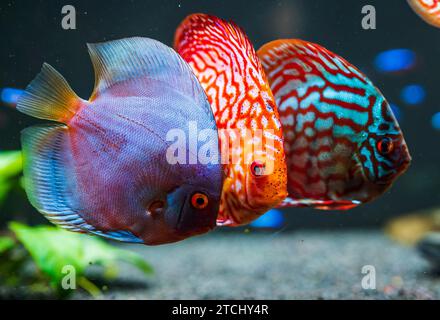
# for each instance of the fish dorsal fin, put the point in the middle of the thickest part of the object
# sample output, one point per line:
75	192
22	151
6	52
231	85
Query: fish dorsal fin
131	58
206	33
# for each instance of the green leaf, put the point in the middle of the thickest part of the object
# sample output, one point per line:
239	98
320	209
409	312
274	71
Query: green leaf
53	248
100	253
89	286
5	187
135	260
11	164
6	243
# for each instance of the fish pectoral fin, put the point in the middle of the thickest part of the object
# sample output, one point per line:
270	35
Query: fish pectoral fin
319	204
49	97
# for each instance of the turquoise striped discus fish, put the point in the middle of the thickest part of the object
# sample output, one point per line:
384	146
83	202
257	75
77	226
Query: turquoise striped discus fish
343	145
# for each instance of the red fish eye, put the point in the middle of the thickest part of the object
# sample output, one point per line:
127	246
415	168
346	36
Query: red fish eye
258	168
199	200
385	146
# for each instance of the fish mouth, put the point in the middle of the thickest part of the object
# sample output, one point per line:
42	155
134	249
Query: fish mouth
406	162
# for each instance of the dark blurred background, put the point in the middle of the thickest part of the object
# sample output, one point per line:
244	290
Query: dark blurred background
31	34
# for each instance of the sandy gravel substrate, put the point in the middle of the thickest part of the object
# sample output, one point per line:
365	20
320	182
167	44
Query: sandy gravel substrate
264	265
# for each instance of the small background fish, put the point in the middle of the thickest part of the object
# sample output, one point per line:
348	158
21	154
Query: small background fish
412	227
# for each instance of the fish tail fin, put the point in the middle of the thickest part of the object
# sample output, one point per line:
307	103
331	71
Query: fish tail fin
49	97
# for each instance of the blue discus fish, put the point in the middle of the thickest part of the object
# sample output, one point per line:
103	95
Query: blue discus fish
101	167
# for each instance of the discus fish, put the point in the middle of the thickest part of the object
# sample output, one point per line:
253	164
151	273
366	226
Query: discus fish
101	167
428	10
229	70
343	145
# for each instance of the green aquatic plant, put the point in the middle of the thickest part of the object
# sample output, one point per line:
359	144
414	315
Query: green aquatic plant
60	255
54	253
10	168
6	243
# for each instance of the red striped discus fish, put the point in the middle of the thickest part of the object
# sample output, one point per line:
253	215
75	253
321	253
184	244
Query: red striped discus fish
343	145
229	70
101	166
428	10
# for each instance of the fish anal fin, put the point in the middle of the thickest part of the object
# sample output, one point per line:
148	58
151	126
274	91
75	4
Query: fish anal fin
51	184
319	204
48	175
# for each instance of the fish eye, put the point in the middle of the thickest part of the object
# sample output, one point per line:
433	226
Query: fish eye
258	168
385	146
199	200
